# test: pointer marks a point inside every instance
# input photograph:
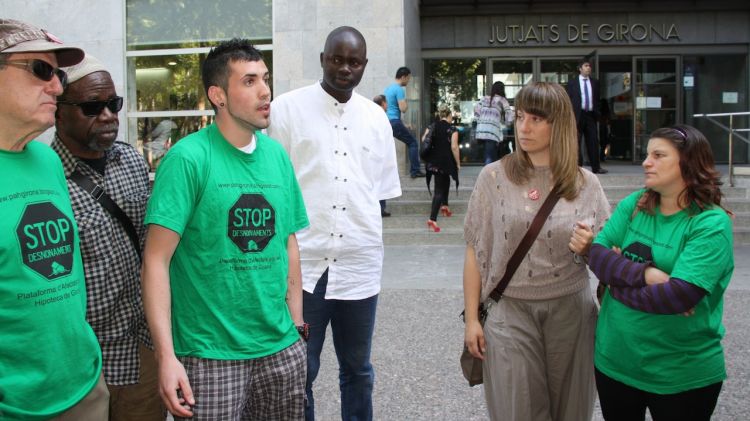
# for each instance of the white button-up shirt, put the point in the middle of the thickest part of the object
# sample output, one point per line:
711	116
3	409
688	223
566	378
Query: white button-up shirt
345	161
585	84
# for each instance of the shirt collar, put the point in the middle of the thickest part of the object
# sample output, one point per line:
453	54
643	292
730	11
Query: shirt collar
69	161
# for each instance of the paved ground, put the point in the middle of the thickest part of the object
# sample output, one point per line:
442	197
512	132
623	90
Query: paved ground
418	339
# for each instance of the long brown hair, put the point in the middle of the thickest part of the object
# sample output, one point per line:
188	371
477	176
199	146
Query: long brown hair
551	102
702	180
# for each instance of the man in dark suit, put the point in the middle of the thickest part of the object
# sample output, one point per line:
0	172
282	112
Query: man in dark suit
584	95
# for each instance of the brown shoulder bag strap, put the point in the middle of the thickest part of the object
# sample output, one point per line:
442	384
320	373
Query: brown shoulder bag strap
525	244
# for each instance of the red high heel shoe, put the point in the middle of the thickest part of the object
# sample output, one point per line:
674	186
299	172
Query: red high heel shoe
445	211
432	226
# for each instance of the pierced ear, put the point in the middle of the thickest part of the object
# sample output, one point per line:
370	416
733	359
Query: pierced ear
216	95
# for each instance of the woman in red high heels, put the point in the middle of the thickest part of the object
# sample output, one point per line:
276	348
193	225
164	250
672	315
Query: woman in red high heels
443	163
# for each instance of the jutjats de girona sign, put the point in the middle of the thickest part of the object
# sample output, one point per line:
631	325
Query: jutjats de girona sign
504	35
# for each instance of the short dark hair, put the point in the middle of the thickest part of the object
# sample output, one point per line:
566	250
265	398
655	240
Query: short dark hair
215	68
581	62
379	99
402	71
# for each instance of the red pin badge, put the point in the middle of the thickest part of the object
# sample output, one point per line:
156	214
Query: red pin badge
534	194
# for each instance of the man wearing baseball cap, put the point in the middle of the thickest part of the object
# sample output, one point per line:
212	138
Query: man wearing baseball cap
50	362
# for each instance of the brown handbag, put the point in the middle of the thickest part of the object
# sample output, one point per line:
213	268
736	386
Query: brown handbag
471	366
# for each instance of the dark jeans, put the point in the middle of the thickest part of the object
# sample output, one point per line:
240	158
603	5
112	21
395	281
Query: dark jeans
440	196
403	134
352	324
588	130
490	151
621	402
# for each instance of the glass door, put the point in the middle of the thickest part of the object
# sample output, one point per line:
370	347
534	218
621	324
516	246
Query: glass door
515	74
656	98
616	106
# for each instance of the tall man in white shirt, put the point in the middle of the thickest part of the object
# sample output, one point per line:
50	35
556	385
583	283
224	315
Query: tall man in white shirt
341	147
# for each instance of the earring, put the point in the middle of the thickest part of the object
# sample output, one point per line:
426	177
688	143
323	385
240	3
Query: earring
221	104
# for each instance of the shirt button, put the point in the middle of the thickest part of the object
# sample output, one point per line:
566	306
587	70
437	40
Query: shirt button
325	258
344	208
336	126
341	235
344	128
336	178
344	153
331	234
336	152
345	180
334	260
334	206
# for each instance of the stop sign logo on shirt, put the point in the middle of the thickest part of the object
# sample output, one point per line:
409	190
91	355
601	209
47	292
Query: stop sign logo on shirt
251	223
46	237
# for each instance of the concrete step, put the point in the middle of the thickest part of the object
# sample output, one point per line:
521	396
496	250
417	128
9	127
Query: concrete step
398	207
410	221
423	237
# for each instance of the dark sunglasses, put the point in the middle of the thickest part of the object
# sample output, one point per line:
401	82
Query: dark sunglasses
41	69
94	108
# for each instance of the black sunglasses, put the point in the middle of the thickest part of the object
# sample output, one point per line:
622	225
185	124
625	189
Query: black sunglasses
94	108
41	69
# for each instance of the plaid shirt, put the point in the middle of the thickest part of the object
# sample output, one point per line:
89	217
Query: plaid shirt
112	267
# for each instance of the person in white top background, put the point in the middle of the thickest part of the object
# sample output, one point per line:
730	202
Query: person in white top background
341	147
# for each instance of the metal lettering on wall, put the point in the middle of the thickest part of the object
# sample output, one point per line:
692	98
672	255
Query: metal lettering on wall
583	33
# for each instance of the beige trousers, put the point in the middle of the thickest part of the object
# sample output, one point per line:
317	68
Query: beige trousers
539	363
93	407
141	401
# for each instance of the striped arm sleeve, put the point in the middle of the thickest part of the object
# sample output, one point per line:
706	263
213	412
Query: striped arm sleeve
615	270
672	297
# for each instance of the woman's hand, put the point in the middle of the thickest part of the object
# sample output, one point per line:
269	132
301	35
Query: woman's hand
654	276
474	338
580	241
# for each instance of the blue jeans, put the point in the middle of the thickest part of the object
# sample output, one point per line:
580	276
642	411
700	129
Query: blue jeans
352	324
403	134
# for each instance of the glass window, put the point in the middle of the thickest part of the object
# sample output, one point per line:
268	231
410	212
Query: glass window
155	135
153	24
166	43
717	84
458	83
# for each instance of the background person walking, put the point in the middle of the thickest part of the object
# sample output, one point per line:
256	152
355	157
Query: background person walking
493	114
442	162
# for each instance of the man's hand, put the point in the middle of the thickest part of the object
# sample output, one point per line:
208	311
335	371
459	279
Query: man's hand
174	387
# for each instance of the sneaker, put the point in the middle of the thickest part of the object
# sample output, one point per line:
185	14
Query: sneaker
418	174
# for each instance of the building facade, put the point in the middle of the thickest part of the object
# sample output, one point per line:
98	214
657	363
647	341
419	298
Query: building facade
659	62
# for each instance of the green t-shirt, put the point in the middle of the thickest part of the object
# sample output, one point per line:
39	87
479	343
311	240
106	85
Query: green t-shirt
49	357
234	212
667	354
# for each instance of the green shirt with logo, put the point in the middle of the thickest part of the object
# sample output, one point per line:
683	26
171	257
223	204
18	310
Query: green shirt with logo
668	354
49	357
234	212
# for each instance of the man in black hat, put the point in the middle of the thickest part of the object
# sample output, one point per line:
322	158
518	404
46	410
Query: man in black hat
50	362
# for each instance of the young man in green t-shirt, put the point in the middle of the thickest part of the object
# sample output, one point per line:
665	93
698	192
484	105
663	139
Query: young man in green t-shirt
221	277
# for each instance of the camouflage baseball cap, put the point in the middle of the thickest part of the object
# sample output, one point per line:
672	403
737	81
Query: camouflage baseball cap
20	37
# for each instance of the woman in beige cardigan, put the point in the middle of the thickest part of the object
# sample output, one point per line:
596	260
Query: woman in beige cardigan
537	343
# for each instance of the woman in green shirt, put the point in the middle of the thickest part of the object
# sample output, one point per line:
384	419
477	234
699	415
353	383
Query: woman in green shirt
666	256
